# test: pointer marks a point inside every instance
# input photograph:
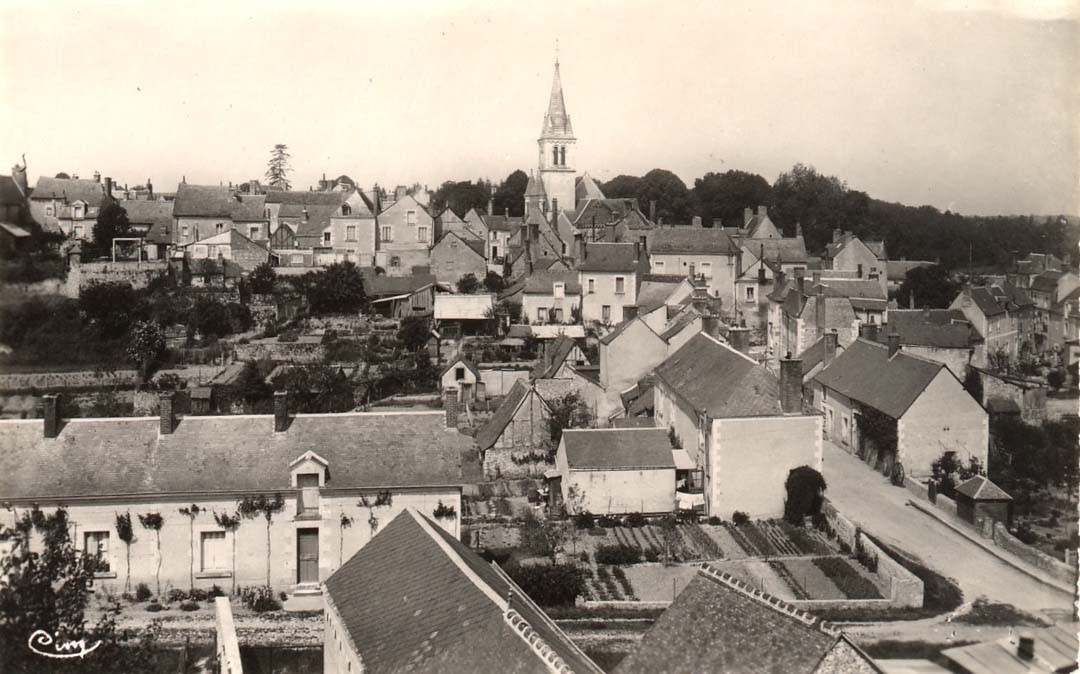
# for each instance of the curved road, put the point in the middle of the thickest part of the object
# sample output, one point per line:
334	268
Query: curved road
867	499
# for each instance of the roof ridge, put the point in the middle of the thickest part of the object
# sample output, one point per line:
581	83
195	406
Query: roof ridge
707	570
462	566
523	629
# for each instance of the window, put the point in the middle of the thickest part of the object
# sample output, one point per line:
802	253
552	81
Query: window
459	374
346	209
410	217
220	227
559	290
350	233
326	237
387	234
564	249
541	314
706	269
592	286
558	317
96	544
562	156
78	210
253	232
605	313
620	285
659	266
555	156
184	231
49	210
77	231
395	261
422	234
749	293
214	551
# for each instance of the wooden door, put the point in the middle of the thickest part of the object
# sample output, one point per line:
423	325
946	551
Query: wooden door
307	555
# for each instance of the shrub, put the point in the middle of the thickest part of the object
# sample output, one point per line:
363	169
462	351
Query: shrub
142	592
652	555
175	595
740	518
259	599
197	594
635	520
584	557
617	554
1025	534
216	591
584	520
154	607
189	606
498	555
607	521
620	576
289	336
714	520
549	585
804	487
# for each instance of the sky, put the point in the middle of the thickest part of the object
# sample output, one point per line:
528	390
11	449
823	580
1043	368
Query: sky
968	105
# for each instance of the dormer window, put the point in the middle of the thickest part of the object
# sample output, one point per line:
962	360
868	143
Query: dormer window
78	210
559	290
346	209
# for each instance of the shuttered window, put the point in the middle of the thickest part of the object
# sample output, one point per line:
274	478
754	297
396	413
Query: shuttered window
214	552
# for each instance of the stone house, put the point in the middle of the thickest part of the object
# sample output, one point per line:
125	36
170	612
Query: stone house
321	465
202	211
803	317
1047	291
1003	315
462	378
867	259
610	274
552	297
616	471
708	255
978	498
942	335
743	428
69	206
932	411
515	433
406	233
153	221
455	256
229	245
473	224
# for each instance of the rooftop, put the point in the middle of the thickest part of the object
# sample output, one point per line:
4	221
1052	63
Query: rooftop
70	190
543	282
614	257
617	448
698	240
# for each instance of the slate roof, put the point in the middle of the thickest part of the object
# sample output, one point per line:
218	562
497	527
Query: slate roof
789	251
535	187
861	288
696	240
814	355
560	348
654	293
501	223
614	257
994	300
980	488
416	600
542	282
713	377
495	426
1047	281
839	312
381	285
602	211
617	449
90	191
10	195
157	215
1055	651
229	454
865	373
719	624
681	321
918	329
210	201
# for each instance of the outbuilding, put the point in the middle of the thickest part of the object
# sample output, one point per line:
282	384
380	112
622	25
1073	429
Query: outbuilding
612	471
462	376
979	498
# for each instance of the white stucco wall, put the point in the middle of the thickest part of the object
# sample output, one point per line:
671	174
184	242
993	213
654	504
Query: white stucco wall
944	418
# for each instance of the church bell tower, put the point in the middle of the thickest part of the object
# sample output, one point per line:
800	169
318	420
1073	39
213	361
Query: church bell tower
556	148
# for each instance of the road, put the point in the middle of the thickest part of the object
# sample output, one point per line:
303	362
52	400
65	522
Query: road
867	499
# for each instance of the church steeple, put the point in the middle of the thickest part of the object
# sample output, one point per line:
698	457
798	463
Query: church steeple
556	147
556	121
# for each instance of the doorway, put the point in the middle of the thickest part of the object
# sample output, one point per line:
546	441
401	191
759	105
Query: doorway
307	555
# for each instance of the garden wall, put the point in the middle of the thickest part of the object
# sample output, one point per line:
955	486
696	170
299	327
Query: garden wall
1057	569
843	604
55	381
295	352
499	463
499	379
138	274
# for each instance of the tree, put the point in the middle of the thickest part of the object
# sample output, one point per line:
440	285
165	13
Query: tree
670	194
338	289
47	588
494	283
251	386
146	343
973	384
623	187
250	507
230	523
567	411
461	196
154	522
724	196
805	490
1056	378
210	318
948	472
669	537
262	279
112	223
317	389
468	284
510	194
414	332
277	169
126	534
932	287
819	203
109	307
191	512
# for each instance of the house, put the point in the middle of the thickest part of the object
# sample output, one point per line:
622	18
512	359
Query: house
469	227
461	376
803	315
400	296
943	335
609	275
229	245
500	229
13	239
978	498
406	232
1047	291
741	426
14	196
659	291
721	624
552	297
153	221
1065	325
417	599
474	226
1032	265
455	256
920	400
628	352
459	314
321	465
699	253
867	259
69	206
867	296
516	429
616	471
1003	314
201	211
817	357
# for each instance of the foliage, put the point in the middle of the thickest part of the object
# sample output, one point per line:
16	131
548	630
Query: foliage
443	511
660	185
146	344
932	287
1056	378
251	386
259	599
567	411
337	289
468	284
584	520
251	507
109	307
805	487
617	554
723	196
669	536
142	592
462	195
47	586
948	472
739	518
126	534
191	512
154	522
28	268
414	332
189	606
985	612
262	279
315	389
973	384
209	317
635	520
493	282
277	168
112	223
549	585
544	537
510	194
1024	457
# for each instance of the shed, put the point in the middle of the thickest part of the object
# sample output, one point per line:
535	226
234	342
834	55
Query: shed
461	375
617	470
979	498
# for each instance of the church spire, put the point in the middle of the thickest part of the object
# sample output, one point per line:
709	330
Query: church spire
556	121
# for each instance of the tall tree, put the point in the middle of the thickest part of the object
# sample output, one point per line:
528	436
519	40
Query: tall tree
262	279
670	194
510	194
278	169
112	223
338	289
461	196
622	187
932	287
819	203
723	196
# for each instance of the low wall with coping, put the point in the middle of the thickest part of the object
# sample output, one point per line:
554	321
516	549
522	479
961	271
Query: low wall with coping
1037	558
842	604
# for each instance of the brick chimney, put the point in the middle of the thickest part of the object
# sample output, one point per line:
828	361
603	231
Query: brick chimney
819	308
97	177
452	406
869	331
491	202
1025	648
50	404
108	187
791	388
894	343
739	338
149	190
167	415
831	339
281	411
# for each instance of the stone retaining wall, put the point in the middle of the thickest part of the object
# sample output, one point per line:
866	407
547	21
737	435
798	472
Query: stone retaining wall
294	352
55	381
499	464
1056	568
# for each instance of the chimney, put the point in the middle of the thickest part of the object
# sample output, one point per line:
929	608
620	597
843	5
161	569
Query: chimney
830	346
97	177
739	338
761	264
108	187
652	210
168	416
281	411
1025	648
584	248
491	202
869	331
911	300
894	343
819	308
780	277
762	212
506	212
452	406
791	389
816	276
836	235
579	242
554	209
800	284
747	216
50	403
149	189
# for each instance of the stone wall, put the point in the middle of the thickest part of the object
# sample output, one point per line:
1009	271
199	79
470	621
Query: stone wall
1037	558
499	463
295	352
138	274
51	381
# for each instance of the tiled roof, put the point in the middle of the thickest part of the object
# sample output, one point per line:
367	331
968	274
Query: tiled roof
417	600
495	426
228	454
654	293
919	328
994	300
839	312
90	191
614	257
158	215
982	489
535	187
618	449
788	251
208	201
715	378
680	322
1055	651
1046	282
862	288
696	240
542	282
865	373
381	285
306	197
719	624
897	270
815	354
501	223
